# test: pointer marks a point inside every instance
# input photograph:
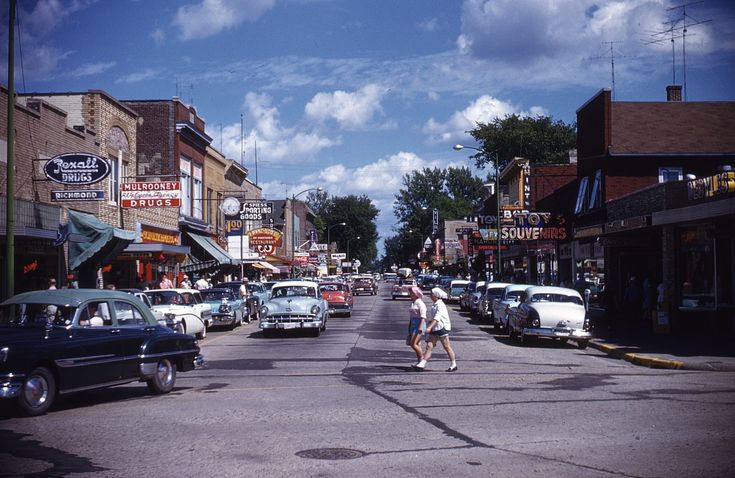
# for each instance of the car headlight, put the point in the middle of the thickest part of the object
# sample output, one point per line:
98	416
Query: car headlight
264	311
315	309
4	354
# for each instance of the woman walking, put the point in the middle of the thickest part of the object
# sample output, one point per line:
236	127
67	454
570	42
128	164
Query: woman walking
438	330
417	322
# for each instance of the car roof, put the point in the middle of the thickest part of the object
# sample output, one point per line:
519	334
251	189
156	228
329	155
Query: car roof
459	281
298	283
515	287
547	289
71	297
498	284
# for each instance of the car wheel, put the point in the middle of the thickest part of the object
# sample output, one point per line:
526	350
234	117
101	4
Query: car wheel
202	334
234	323
38	392
180	327
496	327
316	332
563	340
582	344
164	379
511	332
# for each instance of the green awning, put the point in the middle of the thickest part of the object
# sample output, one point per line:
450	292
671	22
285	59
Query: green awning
215	256
102	243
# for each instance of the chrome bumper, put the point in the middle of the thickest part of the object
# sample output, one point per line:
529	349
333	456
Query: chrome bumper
290	325
557	333
10	386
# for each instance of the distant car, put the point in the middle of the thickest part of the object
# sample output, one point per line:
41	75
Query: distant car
54	342
429	281
186	305
402	289
170	321
493	290
550	312
254	301
502	304
390	277
339	297
474	298
464	297
364	285
456	287
228	309
294	305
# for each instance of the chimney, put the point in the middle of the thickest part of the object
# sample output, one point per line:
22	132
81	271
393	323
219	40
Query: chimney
673	93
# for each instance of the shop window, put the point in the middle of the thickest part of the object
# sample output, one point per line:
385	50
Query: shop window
197	191
697	266
669	174
596	191
185	172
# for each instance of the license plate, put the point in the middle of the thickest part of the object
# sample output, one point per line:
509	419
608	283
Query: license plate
562	331
286	326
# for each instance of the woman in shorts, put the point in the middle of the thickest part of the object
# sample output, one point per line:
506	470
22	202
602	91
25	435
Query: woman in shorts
438	329
417	322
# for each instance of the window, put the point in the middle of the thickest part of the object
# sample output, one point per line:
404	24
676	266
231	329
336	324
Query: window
669	174
185	172
197	192
128	315
581	196
596	191
697	265
113	185
210	207
217	213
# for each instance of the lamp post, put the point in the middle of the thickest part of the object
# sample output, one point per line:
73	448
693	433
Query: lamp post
294	232
494	156
349	258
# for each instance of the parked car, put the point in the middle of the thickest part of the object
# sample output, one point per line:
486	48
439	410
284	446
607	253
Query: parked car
550	312
228	309
254	301
390	277
185	304
501	305
474	299
402	288
493	290
294	305
464	297
429	281
456	287
50	345
339	297
170	321
364	285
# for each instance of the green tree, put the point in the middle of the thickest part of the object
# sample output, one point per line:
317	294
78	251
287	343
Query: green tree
541	140
359	215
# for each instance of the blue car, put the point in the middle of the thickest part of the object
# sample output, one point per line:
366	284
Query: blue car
228	308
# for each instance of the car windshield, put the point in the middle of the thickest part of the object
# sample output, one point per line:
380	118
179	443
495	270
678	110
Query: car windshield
513	294
331	288
217	294
363	282
293	291
495	291
20	315
165	297
549	297
480	289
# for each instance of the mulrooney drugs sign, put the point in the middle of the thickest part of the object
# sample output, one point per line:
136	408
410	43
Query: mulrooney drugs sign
150	194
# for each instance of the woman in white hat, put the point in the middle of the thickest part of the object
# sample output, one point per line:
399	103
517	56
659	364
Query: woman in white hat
438	329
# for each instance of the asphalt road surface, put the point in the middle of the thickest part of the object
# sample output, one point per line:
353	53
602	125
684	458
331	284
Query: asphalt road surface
348	404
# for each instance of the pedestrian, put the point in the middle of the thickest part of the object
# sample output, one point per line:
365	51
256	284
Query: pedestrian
186	282
244	290
438	329
165	283
51	309
416	322
202	283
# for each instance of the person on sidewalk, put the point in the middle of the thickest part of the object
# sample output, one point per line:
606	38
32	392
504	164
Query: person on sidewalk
438	329
416	322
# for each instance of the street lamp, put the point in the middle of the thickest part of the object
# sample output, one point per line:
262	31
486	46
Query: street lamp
294	232
348	247
494	156
329	228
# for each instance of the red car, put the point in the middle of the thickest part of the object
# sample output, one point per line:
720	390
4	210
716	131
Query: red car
339	297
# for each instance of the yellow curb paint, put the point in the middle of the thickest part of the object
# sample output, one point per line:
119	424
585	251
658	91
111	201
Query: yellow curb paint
653	362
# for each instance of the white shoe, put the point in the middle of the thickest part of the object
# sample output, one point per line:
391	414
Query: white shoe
420	365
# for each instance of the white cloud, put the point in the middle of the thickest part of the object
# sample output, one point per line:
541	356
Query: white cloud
430	25
353	111
483	110
210	17
158	36
147	74
93	68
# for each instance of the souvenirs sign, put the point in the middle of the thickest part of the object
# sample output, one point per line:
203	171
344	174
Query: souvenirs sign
76	169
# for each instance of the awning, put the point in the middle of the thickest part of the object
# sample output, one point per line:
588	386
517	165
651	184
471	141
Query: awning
156	247
102	243
265	266
215	255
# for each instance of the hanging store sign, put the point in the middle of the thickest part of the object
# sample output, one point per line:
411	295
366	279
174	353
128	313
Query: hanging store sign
265	237
76	169
255	210
150	194
78	195
149	234
712	186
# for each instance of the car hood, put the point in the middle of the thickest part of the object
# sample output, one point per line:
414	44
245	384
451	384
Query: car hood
291	305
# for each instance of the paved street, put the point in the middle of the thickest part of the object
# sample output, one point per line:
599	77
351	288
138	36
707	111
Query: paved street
348	404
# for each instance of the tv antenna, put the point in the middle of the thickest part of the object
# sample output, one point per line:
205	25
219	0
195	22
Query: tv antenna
610	55
180	86
678	28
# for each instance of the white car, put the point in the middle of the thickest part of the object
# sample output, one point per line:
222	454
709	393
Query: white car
493	290
186	304
456	287
294	305
510	298
551	312
474	298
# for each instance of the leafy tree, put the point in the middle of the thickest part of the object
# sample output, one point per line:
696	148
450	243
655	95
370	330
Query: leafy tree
541	140
359	215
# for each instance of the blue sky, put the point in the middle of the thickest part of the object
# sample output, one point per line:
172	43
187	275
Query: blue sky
350	95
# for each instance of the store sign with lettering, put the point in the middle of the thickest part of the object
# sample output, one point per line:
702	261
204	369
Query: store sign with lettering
265	236
150	194
711	186
76	169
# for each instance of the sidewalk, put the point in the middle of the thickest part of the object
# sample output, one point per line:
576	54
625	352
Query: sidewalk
692	352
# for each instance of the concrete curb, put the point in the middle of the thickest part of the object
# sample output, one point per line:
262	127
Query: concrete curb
657	362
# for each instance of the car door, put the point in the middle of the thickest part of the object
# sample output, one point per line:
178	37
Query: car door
93	353
133	330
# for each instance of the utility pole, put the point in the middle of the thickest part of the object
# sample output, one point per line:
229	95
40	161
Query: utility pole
10	165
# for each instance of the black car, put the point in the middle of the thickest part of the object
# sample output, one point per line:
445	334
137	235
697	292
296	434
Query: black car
253	301
69	340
